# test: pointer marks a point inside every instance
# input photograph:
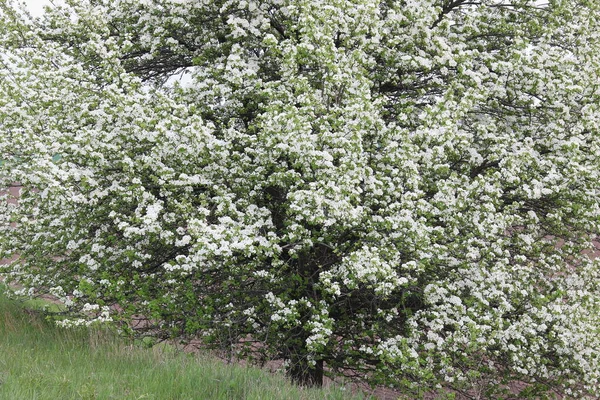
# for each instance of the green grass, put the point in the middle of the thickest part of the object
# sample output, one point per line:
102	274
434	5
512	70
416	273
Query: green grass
40	361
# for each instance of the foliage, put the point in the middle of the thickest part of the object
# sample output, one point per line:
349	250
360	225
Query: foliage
401	191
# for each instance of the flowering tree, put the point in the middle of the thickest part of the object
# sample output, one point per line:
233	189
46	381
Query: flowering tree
400	191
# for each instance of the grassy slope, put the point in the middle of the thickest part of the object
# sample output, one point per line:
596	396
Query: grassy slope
40	361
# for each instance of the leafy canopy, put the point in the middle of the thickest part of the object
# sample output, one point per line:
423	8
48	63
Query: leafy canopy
400	191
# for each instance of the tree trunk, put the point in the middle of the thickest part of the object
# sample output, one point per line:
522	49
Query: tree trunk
306	375
306	268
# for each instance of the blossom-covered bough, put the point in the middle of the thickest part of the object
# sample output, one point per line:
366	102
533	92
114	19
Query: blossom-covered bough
403	192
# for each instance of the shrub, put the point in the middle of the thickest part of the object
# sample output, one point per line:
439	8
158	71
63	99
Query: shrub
403	192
